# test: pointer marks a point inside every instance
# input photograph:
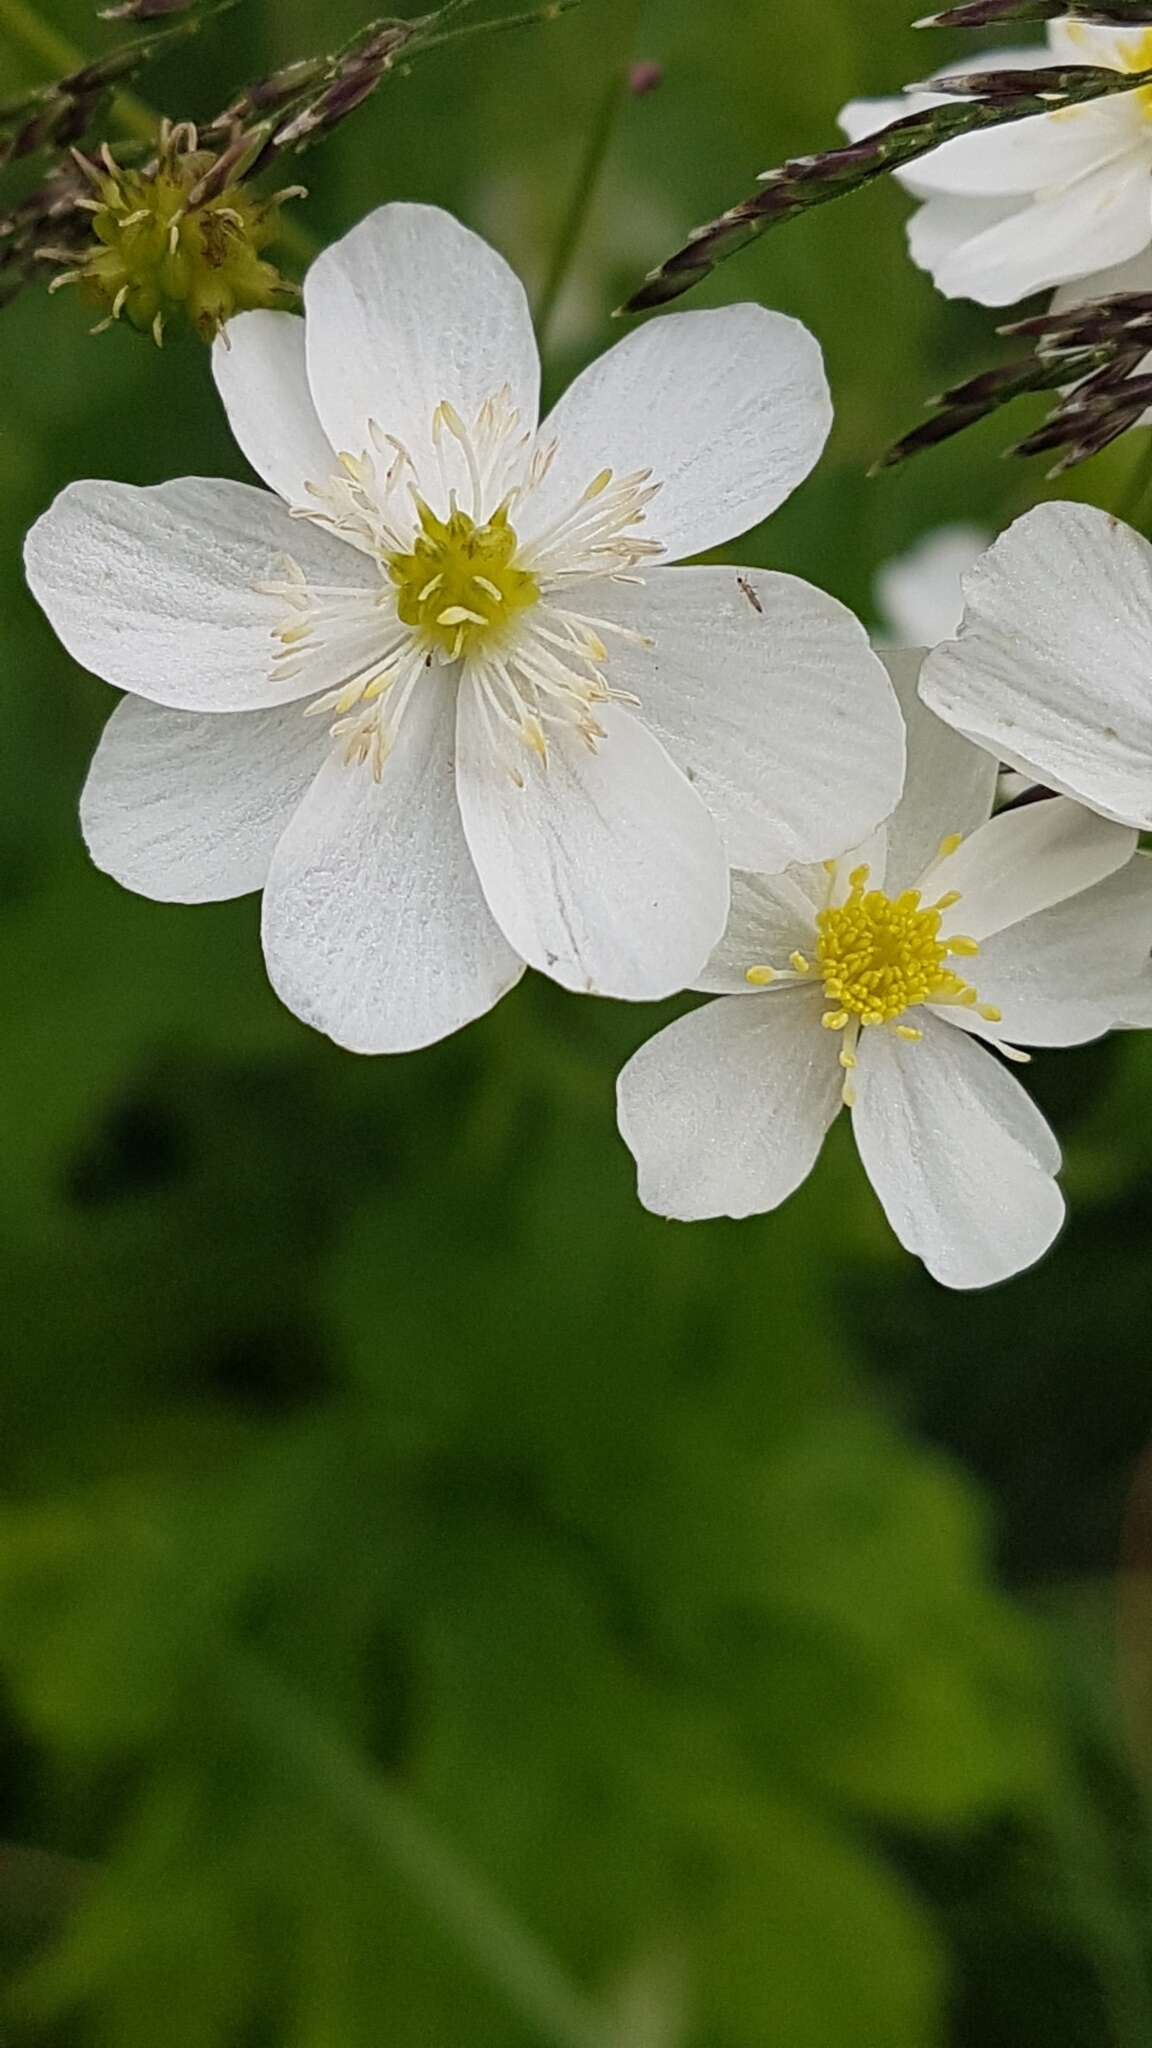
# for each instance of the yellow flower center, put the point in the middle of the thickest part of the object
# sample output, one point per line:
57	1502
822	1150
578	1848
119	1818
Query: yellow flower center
880	955
460	588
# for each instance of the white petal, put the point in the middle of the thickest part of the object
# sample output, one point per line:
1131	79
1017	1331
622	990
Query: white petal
604	870
1023	157
409	310
186	807
1105	217
1025	860
729	409
771	917
259	366
1052	668
962	1160
861	118
1133	276
1073	972
1082	42
156	589
950	785
725	1111
919	593
375	928
942	226
767	694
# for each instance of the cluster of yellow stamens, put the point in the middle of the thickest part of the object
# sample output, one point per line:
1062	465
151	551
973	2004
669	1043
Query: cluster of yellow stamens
881	956
459	587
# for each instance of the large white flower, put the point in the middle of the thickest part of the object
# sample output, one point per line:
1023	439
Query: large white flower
870	980
1053	666
1039	202
438	696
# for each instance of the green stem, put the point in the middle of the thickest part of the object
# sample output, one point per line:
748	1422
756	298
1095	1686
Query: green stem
403	1841
26	29
591	169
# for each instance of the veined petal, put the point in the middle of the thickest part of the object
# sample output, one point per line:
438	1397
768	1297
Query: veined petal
725	1111
771	917
186	807
1073	972
603	869
259	366
157	590
375	928
1024	861
406	312
1051	670
767	694
728	409
960	1157
1104	217
949	788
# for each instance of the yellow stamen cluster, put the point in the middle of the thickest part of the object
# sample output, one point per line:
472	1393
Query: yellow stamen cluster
880	956
459	588
170	243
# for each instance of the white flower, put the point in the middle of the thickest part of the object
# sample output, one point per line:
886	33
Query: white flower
1053	666
1012	210
434	696
919	594
870	979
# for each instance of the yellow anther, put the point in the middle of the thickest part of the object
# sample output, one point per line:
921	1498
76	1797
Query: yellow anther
598	486
906	1031
950	845
760	977
990	1013
830	866
799	964
881	956
858	877
947	901
835	1020
965	949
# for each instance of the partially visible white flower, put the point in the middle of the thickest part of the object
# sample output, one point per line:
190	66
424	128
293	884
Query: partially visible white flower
436	692
870	980
919	595
1053	666
1040	202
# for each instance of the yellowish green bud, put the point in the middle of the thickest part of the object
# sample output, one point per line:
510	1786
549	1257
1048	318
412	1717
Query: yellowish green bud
179	240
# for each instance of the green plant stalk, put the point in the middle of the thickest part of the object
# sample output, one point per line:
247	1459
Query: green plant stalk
591	170
26	29
405	1843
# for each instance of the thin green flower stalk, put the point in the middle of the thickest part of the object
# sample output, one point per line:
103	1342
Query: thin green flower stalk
989	13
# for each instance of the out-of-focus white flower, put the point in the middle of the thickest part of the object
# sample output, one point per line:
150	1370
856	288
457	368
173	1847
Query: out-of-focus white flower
919	594
1039	202
870	980
526	739
1053	664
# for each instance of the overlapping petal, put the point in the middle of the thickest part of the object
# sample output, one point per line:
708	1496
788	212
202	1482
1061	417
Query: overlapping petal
1051	668
1104	217
949	788
729	409
960	1157
186	807
406	312
1024	861
375	927
725	1111
259	365
157	589
603	868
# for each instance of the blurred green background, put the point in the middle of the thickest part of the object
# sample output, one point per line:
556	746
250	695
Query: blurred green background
440	1605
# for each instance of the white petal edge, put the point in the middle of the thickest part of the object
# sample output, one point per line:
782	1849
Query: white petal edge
406	311
604	870
771	917
375	928
766	692
729	409
1051	669
258	361
1025	860
725	1112
187	807
960	1157
1105	217
949	788
155	589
